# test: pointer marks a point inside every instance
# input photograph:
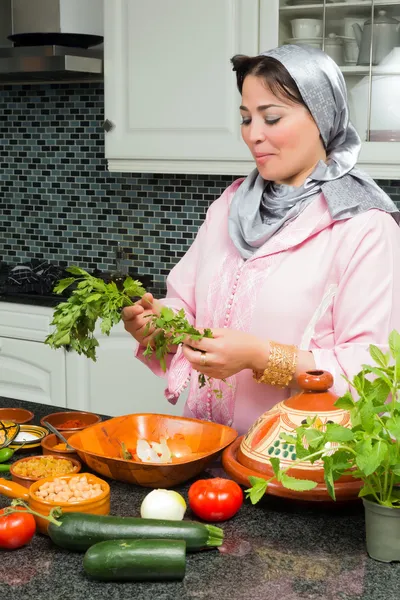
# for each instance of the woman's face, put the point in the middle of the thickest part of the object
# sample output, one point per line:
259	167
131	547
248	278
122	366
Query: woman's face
281	135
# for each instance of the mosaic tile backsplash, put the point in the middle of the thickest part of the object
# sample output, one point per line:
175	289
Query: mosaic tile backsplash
59	202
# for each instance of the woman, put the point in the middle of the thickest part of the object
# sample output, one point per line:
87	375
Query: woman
296	267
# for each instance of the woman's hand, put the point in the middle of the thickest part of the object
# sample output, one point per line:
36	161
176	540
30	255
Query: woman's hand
227	353
136	319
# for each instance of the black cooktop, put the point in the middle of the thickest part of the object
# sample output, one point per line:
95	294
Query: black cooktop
32	282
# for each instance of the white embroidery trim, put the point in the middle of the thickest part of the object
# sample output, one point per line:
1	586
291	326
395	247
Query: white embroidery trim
318	314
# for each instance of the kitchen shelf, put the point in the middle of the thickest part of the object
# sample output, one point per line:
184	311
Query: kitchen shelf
359	8
364	70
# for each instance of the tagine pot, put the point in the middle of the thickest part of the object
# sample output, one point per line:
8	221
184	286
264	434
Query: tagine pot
250	455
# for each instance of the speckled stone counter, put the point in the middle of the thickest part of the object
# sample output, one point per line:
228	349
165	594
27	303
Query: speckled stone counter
275	550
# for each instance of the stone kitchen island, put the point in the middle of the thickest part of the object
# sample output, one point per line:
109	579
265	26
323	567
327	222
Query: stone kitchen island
275	550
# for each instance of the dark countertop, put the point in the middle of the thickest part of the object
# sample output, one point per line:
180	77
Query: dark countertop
32	299
275	550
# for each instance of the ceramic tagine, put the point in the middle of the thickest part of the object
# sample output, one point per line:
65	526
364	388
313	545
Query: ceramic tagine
249	455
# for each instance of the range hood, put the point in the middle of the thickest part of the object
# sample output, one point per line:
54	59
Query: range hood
51	40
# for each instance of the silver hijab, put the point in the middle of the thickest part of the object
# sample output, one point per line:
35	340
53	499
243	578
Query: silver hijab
260	208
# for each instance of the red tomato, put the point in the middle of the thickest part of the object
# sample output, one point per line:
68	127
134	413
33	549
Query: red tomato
16	529
215	499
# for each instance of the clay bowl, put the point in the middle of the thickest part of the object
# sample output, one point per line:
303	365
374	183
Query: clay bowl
57	419
96	506
52	440
16	415
345	490
100	447
27	481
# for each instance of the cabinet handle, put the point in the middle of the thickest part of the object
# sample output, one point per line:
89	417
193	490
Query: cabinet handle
108	125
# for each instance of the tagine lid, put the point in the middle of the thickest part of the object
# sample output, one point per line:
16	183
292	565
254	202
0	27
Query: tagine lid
263	440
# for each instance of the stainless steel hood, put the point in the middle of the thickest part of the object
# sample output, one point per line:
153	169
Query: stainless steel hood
50	40
49	63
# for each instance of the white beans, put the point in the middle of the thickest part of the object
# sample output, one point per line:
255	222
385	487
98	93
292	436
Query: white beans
75	490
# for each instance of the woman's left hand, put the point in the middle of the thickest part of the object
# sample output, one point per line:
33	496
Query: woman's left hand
227	353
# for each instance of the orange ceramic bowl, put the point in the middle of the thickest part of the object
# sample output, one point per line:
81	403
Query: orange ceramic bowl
16	415
52	440
100	447
57	419
27	481
96	506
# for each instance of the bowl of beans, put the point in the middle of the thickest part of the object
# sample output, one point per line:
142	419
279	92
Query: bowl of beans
27	470
82	492
71	420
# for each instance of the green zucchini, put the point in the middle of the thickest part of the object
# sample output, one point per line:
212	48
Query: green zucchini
4	468
136	560
79	531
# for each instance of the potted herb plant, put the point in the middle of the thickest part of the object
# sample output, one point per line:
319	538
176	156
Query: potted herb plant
369	450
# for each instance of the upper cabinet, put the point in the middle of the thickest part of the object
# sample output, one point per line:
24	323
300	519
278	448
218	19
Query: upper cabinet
171	103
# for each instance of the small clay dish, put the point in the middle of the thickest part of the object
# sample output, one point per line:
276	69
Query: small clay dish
26	481
28	437
58	420
50	441
16	415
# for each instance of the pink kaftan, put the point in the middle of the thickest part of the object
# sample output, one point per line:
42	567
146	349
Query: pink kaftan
329	287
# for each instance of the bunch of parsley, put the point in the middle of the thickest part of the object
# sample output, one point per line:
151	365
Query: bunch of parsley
75	319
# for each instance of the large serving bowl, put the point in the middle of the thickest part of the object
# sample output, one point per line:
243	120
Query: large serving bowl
100	447
96	506
250	455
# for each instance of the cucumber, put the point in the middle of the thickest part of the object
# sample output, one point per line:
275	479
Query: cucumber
136	560
79	531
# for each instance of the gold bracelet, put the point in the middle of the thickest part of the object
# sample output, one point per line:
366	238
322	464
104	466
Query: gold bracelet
281	365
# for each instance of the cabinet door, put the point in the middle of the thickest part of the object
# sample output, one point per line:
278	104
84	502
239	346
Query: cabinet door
32	371
169	88
117	383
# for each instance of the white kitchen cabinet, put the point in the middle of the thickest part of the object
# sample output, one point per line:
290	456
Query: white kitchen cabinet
32	371
117	383
169	89
171	98
29	370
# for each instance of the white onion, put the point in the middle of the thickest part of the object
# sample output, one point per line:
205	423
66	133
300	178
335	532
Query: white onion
163	504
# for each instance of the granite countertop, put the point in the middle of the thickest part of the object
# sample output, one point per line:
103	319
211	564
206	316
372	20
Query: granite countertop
276	550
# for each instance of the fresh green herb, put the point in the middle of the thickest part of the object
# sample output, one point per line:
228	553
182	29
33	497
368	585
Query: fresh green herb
369	450
92	299
126	455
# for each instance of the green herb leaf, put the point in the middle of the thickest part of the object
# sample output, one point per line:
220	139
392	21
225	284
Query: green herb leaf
345	402
328	476
378	356
298	485
258	489
314	437
393	425
275	463
338	433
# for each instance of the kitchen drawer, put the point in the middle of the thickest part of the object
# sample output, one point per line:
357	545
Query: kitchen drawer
32	371
25	321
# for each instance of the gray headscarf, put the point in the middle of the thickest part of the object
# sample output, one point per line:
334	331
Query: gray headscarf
260	208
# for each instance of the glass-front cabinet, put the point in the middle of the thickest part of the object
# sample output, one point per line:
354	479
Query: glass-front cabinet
363	38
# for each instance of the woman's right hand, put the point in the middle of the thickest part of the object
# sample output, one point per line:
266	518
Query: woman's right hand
136	319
